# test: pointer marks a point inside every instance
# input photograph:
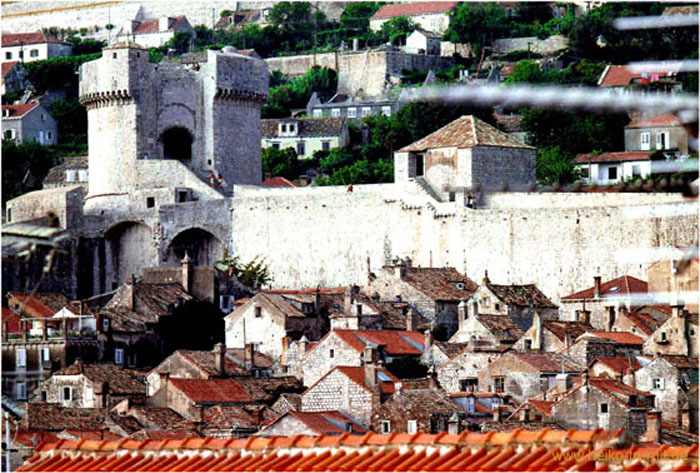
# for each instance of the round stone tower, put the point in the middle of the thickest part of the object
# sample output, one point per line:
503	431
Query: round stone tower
167	124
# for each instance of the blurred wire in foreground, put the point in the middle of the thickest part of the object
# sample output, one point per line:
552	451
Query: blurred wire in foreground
652	22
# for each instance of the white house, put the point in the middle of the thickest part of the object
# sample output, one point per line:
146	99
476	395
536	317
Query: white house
28	122
27	47
155	32
305	135
610	168
430	16
423	42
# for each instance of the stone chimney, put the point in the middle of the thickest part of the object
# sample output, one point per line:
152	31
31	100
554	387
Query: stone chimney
411	320
428	342
628	377
610	319
537	331
129	292
596	287
348	300
462	314
486	279
220	358
562	382
303	344
653	432
432	379
677	311
249	356
186	264
371	375
453	424
101	395
524	414
498	412
398	387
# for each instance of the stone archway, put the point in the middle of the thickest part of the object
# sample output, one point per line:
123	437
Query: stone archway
129	248
200	245
177	144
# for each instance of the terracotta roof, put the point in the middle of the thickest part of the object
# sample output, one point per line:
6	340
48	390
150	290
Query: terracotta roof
659	120
510	123
465	132
411	9
681	361
617	287
561	329
152	25
321	290
546	362
230	417
121	381
396	342
12	321
41	304
439	283
503	327
327	422
25	39
544	407
619	364
211	391
394	315
58	173
287	402
267	390
611	386
419	404
451	349
645	321
18	110
151	300
157	418
523	295
278	182
7	67
618	76
612	157
622	338
519	450
53	417
308	127
357	375
98	434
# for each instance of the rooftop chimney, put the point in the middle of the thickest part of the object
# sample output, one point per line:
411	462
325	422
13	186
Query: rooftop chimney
537	331
462	313
129	291
249	356
677	310
562	382
371	376
628	377
220	358
685	416
596	287
411	320
186	272
498	413
653	432
428	343
486	279
453	424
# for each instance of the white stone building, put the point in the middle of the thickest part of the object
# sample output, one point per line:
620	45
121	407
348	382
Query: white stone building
28	122
155	32
27	47
430	16
423	42
305	135
611	168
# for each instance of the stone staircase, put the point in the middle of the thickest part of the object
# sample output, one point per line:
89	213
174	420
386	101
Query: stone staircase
427	188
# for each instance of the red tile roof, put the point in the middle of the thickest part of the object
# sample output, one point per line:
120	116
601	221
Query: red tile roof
278	182
321	290
32	439
561	329
644	321
623	285
519	450
326	422
95	434
7	67
396	342
18	110
440	283
465	132
544	407
546	361
623	338
357	375
11	319
25	39
612	157
152	25
410	9
208	391
619	364
523	295
659	120
41	304
618	76
681	361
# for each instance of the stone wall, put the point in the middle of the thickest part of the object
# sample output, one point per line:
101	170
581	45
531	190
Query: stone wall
266	331
466	365
521	381
551	45
668	397
296	66
318	361
66	203
336	392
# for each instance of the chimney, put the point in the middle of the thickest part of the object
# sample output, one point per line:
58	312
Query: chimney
397	388
220	358
653	432
685	417
411	320
677	310
596	287
198	414
129	291
486	279
462	314
525	413
348	300
101	395
628	377
303	344
562	382
537	331
371	376
164	378
453	424
249	356
610	319
428	342
186	272
498	413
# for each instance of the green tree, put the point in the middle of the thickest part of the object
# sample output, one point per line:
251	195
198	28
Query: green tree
525	71
407	367
180	42
397	29
354	21
296	93
477	24
24	166
280	162
86	45
57	72
254	273
71	118
555	167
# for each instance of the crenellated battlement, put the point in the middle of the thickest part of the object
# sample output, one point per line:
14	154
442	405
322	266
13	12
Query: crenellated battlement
106	99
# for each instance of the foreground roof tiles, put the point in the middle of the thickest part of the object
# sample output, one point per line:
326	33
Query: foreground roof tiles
544	450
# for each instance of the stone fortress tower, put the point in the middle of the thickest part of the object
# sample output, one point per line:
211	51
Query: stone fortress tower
156	125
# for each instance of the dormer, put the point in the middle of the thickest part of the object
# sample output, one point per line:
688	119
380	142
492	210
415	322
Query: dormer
288	127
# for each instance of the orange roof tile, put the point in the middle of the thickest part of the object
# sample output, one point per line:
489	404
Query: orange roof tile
617	76
617	287
612	157
278	182
411	9
658	120
25	39
619	364
357	375
513	451
396	342
212	390
622	338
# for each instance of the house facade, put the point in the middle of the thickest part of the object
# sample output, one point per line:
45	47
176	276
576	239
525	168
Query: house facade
71	172
592	345
28	47
352	109
423	42
430	16
461	372
677	336
669	378
154	33
14	77
661	132
611	168
305	135
28	122
679	276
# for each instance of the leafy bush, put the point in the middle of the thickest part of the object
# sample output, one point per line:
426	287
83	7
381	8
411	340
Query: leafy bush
24	166
57	72
280	162
296	93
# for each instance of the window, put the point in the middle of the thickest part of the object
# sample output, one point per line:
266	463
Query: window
9	218
119	356
225	303
469	384
41	137
497	306
21	391
318	113
34	53
485	301
301	148
386	110
326	145
45	355
366	111
49	135
384	427
412	426
8	55
66	394
636	170
21	54
8	134
182	196
70	175
284	128
258	311
645	141
661	141
658	383
499	384
584	172
21	358
352	112
44	396
105	325
114	55
528	344
603	408
664	338
331	353
276	145
335	112
150	202
612	173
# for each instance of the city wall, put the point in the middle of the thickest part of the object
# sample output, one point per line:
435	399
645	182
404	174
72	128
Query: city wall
326	236
551	45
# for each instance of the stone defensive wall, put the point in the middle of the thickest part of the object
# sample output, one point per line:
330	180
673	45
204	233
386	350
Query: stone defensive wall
550	45
558	241
295	66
